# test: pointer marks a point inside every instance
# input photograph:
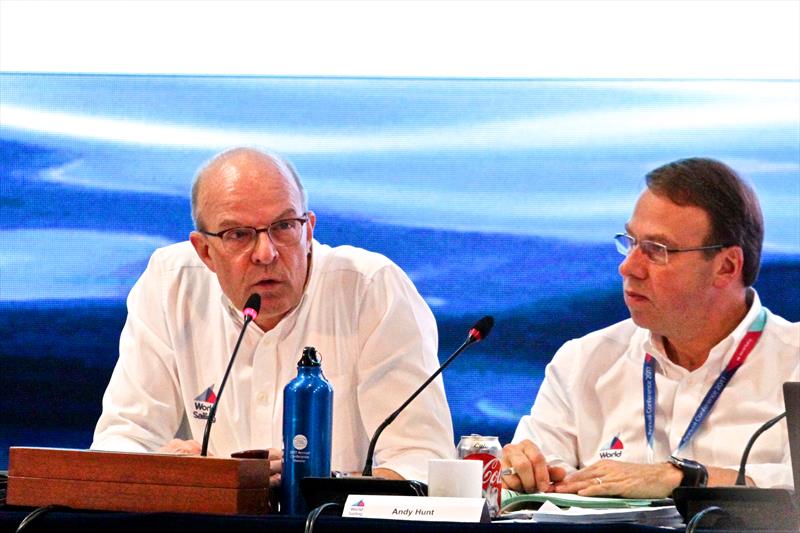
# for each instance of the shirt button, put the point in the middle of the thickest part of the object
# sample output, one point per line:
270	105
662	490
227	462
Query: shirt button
261	397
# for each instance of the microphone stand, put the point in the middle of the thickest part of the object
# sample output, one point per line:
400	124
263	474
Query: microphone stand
740	507
372	443
318	490
251	309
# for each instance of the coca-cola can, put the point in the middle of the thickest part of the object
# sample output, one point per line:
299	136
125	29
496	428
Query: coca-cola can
486	449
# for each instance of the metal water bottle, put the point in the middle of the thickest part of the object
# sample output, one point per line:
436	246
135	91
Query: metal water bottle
307	426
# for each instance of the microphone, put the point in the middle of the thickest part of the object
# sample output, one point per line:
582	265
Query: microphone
739	506
478	332
740	481
318	491
250	312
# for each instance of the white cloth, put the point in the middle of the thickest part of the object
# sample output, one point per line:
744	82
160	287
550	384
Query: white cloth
376	336
590	405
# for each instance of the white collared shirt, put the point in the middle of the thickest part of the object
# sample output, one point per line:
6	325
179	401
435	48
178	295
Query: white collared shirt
590	405
376	336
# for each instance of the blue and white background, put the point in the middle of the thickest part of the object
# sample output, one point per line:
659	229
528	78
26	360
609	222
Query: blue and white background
497	196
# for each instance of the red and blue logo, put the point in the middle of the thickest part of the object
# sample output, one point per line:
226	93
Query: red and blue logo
613	450
207	395
357	509
203	403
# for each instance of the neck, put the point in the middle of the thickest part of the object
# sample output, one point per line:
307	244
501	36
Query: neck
268	323
691	351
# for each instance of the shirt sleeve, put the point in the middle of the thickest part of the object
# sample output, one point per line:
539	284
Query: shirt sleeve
551	424
142	407
398	352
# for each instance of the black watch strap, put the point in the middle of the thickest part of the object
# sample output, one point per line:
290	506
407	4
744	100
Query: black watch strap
694	473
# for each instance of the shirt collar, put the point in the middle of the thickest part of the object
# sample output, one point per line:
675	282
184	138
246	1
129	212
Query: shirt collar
720	354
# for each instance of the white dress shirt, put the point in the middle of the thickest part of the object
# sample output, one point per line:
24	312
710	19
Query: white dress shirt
376	336
591	406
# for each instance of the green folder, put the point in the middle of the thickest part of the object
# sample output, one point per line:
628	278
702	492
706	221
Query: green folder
515	501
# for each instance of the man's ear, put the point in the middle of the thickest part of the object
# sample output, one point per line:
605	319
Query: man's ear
312	221
729	264
200	243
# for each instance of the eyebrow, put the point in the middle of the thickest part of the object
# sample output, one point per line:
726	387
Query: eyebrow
288	213
660	238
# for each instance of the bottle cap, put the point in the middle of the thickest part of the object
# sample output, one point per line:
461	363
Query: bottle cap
309	357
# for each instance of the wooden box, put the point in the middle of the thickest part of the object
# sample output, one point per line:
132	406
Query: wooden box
137	482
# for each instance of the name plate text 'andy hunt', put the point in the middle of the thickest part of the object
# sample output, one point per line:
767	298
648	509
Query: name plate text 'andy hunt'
429	509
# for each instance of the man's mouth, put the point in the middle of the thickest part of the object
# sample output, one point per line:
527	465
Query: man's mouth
635	296
267	283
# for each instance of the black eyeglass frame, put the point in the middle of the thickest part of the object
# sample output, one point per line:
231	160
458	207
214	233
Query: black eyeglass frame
303	219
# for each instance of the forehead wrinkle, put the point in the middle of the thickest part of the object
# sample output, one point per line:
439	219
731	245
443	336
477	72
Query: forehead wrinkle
230	195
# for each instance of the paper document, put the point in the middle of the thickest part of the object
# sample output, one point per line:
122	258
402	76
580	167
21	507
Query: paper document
550	513
513	501
572	508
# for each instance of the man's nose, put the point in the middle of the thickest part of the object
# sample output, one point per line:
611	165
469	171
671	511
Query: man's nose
264	252
634	265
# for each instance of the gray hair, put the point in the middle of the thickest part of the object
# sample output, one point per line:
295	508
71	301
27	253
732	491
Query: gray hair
283	164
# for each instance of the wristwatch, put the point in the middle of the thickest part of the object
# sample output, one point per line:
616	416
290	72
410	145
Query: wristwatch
694	473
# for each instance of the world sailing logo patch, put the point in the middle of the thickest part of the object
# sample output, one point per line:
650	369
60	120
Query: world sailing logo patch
203	403
613	450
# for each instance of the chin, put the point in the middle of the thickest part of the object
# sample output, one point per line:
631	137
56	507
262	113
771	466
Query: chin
641	319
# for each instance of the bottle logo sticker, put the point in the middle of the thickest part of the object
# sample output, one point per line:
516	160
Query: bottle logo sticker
299	442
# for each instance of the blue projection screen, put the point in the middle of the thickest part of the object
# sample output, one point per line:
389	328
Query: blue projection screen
496	197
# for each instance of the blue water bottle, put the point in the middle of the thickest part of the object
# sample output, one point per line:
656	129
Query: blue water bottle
307	426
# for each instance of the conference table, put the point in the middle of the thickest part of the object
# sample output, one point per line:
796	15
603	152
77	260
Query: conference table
69	521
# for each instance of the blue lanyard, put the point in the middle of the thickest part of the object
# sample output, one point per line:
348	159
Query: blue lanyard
649	385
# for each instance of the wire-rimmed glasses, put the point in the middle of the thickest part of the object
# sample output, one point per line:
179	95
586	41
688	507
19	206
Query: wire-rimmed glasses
654	251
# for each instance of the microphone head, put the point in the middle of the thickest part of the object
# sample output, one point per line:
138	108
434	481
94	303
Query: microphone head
252	306
481	328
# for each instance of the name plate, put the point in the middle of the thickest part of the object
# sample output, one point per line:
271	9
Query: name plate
428	509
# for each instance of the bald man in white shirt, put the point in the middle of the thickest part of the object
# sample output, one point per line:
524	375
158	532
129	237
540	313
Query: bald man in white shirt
254	234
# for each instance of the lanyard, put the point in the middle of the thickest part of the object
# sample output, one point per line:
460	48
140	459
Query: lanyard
649	383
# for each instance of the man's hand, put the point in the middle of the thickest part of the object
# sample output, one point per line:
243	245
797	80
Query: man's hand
530	470
617	478
182	447
386	473
273	455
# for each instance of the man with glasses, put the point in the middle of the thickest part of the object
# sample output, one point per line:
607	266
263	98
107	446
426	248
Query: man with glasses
254	234
671	396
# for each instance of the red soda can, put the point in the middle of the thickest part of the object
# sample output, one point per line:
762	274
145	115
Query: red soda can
486	449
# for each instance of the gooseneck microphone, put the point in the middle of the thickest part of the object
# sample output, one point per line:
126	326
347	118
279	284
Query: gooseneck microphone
318	492
478	332
250	312
739	507
740	479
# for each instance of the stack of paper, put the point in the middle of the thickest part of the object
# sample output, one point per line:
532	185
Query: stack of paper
571	508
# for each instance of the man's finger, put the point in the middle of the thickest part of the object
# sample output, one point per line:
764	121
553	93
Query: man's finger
556	473
541	477
182	447
524	458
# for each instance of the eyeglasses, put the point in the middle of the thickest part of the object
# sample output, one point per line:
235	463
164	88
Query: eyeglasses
654	251
286	232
